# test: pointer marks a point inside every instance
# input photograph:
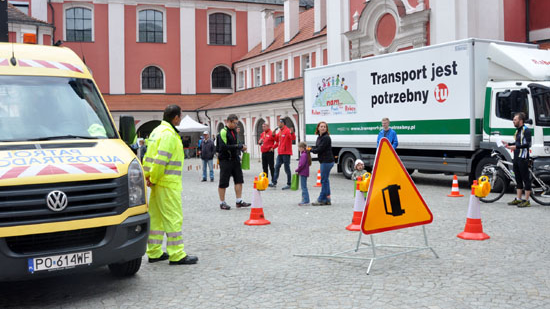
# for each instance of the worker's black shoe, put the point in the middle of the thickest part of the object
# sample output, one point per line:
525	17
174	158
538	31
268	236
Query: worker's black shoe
242	204
163	257
187	260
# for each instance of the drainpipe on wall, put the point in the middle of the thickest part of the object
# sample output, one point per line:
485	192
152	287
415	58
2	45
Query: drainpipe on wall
53	20
209	121
527	29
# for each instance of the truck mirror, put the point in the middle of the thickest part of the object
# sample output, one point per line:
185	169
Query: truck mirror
127	129
529	121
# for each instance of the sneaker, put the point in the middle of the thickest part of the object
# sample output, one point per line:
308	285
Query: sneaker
242	204
163	257
203	180
224	206
515	202
318	203
524	204
272	185
304	204
285	187
187	260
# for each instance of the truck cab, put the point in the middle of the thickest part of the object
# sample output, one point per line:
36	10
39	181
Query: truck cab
72	193
519	81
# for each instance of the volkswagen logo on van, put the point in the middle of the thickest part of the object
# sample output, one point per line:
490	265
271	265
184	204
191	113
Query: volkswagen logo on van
57	200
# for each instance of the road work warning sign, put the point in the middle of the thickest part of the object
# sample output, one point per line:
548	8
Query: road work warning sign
393	201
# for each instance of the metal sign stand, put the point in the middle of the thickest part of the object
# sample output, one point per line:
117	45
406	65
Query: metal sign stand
340	255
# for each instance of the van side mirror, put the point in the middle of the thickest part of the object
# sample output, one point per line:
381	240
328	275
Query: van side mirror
127	129
529	121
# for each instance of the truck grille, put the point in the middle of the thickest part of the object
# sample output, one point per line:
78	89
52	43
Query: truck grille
55	241
26	204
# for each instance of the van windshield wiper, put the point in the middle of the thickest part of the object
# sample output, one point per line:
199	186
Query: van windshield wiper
69	136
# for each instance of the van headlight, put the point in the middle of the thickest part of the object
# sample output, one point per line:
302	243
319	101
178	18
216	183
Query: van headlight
136	191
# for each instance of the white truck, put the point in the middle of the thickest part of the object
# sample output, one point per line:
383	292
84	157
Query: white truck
450	104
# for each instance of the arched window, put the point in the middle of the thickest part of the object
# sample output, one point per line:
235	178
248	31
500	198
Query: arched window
221	78
150	26
152	79
259	129
220	29
78	24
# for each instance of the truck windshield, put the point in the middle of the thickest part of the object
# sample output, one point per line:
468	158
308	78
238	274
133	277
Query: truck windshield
541	103
48	108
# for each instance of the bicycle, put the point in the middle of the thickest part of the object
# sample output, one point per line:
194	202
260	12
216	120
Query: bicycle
501	173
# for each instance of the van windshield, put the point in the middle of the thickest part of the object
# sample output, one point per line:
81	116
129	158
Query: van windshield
48	108
541	103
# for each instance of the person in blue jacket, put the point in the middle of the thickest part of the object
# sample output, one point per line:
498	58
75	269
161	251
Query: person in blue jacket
388	133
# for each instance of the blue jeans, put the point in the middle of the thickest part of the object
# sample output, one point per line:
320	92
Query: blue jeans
282	159
210	164
305	193
324	196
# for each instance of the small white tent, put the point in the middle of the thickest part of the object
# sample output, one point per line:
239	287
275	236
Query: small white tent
187	124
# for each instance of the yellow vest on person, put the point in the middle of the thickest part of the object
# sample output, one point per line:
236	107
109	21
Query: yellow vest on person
163	161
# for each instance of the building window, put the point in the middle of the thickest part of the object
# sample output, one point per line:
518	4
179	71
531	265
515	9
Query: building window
279	20
79	24
21	6
241	80
152	79
257	77
151	26
221	78
220	29
279	71
305	63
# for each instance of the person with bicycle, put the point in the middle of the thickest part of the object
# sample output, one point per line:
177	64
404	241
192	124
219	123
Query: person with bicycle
520	147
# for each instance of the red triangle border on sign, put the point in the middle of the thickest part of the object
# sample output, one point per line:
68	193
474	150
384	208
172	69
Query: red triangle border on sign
365	211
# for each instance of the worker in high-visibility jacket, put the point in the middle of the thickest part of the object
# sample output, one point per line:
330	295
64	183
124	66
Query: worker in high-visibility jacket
163	163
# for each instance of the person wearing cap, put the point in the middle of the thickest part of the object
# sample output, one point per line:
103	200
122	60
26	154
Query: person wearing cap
283	141
206	152
359	169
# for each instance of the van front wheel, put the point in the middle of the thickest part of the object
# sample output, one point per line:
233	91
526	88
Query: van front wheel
126	269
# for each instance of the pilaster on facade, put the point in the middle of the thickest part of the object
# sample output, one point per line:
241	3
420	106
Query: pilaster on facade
290	66
116	48
188	48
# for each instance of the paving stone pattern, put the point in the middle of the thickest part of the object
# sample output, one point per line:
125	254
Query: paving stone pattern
254	266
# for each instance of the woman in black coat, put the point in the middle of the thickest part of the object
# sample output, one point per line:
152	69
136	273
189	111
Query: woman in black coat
323	149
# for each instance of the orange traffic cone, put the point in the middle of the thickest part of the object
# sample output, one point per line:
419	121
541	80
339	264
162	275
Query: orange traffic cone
473	229
454	189
357	210
318	184
256	210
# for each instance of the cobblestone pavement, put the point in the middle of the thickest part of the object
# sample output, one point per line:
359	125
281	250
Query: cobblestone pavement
254	266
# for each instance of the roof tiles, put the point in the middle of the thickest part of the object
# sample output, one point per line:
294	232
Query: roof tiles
157	102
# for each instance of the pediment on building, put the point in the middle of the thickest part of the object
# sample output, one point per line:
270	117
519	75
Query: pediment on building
386	26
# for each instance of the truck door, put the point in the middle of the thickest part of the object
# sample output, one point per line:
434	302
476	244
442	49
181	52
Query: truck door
506	103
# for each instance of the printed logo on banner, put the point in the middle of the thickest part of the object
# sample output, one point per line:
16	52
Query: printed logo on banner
441	93
334	97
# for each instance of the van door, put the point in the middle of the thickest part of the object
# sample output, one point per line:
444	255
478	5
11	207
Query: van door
505	103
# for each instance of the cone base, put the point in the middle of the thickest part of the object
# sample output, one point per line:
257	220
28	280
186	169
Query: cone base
317	186
257	222
454	195
473	236
354	227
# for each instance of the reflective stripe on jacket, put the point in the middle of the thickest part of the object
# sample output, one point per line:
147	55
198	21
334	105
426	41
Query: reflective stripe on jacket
163	161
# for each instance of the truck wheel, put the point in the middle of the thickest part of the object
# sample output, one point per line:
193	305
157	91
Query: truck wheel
126	269
347	164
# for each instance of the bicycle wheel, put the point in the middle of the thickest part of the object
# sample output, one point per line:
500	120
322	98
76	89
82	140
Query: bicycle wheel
540	188
498	187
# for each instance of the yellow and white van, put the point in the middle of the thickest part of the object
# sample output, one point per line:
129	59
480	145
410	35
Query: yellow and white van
72	193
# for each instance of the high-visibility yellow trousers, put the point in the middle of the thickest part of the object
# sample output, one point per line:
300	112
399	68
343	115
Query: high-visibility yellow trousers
166	217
